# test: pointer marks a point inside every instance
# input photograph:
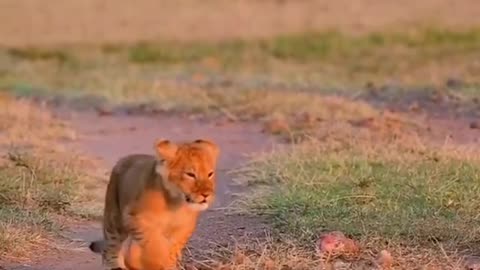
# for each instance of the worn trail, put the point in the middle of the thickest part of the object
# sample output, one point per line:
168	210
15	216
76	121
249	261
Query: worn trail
114	136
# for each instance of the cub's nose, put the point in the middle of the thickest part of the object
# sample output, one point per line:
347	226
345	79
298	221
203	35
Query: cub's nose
205	196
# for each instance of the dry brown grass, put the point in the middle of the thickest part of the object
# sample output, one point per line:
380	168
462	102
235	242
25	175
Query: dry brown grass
25	125
42	183
99	21
266	254
276	255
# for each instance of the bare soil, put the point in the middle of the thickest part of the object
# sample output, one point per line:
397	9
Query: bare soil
53	22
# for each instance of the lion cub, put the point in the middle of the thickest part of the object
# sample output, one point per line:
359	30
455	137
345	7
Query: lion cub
152	205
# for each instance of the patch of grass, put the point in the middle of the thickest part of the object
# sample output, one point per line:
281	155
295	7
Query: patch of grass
267	254
37	54
422	56
468	92
22	231
319	46
299	110
32	183
228	77
40	182
258	103
150	53
425	56
25	125
235	76
310	47
431	37
386	195
34	190
174	53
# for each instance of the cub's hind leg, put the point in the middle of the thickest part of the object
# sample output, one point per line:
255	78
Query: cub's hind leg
114	232
112	254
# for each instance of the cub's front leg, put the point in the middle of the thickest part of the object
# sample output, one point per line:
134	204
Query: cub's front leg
146	247
153	251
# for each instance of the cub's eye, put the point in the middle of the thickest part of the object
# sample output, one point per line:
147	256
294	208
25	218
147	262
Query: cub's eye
210	174
190	174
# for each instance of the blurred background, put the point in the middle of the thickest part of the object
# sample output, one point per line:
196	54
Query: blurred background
92	45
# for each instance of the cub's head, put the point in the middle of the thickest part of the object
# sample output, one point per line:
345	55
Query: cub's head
189	168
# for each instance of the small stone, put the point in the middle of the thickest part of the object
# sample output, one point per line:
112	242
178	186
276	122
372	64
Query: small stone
454	83
276	126
474	125
385	259
104	111
414	107
336	243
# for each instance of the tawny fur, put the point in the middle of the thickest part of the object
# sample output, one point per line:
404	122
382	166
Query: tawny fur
152	205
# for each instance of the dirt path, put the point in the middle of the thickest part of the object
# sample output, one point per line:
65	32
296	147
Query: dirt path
114	136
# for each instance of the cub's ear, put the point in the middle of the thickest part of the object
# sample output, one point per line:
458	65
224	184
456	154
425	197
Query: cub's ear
166	150
209	146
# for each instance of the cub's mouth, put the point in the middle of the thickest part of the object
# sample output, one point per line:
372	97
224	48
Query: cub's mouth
189	199
197	205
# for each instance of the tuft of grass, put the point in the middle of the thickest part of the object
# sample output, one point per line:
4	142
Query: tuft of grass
310	46
143	53
266	254
37	54
166	53
174	53
25	125
22	231
41	184
31	183
386	195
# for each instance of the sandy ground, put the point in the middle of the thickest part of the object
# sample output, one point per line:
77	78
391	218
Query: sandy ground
33	22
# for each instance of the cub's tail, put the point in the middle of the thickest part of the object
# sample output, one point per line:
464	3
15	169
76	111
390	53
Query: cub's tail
97	246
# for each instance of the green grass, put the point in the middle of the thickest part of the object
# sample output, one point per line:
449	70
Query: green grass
409	199
42	186
326	58
37	54
232	77
307	47
30	182
321	46
171	53
33	192
21	231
